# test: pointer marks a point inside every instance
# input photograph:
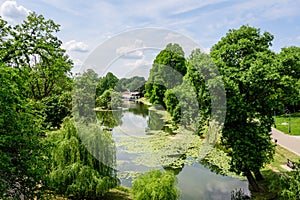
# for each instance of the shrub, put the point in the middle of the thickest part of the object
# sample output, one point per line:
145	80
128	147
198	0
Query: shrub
155	185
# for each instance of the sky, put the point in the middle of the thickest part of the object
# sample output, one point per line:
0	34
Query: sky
135	31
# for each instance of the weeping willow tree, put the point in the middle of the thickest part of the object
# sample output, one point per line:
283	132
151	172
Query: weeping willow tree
83	161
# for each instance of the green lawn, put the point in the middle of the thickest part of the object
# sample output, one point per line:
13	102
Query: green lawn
282	123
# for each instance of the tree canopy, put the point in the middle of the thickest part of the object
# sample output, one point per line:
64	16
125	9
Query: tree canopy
249	73
167	71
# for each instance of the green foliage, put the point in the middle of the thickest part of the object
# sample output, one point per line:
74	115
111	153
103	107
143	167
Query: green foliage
135	83
109	99
167	71
155	185
181	102
287	185
110	118
250	74
21	162
107	82
83	161
56	108
37	52
33	48
84	94
289	69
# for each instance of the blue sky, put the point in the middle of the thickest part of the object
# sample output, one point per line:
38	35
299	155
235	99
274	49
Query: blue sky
87	24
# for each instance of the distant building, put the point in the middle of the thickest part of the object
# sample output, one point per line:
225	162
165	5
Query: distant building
130	96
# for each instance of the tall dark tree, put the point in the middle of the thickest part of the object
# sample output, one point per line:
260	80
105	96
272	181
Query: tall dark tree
249	73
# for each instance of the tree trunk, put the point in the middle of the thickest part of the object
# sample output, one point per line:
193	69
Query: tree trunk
252	181
258	175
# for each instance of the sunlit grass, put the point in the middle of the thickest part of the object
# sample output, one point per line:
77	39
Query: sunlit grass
284	121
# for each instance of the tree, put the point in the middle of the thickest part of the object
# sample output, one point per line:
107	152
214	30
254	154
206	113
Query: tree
109	99
36	52
155	185
84	95
181	103
21	163
83	161
289	70
250	74
106	82
135	83
167	71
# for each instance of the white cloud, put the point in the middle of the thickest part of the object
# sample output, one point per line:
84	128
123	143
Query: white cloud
140	67
172	36
73	45
12	12
134	51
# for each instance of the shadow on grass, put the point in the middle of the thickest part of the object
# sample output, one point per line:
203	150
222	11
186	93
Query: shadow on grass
119	193
267	185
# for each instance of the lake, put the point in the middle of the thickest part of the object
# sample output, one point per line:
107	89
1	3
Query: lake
144	142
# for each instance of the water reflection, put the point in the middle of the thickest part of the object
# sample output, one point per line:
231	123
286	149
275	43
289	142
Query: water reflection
133	124
197	182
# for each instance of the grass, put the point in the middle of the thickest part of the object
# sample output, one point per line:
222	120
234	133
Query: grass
282	123
119	193
272	171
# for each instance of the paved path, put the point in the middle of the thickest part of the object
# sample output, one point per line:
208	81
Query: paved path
291	143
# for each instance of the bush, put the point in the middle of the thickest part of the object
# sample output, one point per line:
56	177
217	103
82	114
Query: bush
287	186
155	185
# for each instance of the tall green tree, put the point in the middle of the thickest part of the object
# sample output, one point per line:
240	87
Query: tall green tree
167	71
84	95
21	162
109	81
289	69
249	73
36	52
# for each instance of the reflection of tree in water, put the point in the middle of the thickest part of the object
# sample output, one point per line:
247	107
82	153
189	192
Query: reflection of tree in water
139	109
155	121
177	166
110	118
213	167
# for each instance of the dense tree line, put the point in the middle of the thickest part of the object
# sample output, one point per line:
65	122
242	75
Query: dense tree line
132	84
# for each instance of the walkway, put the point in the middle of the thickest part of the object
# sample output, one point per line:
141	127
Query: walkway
292	143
